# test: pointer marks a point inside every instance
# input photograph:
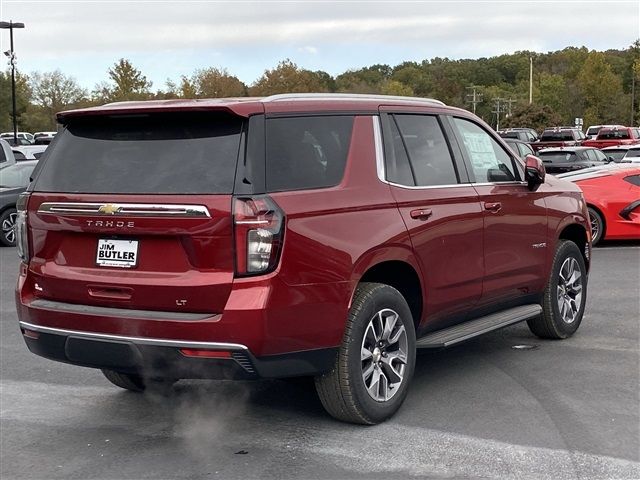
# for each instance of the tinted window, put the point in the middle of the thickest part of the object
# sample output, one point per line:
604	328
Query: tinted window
558	157
613	134
525	150
557	136
307	152
615	154
19	155
3	156
169	153
398	168
489	161
427	148
510	135
632	153
633	179
593	130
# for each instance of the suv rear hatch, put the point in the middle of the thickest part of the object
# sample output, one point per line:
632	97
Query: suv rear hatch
134	211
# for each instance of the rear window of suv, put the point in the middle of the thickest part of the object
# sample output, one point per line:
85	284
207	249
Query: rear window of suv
558	157
162	153
307	152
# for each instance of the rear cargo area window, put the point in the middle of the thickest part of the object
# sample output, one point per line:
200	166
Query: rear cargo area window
160	153
307	152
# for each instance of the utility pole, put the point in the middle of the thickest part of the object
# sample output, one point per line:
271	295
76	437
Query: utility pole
509	102
474	98
497	108
530	80
633	94
12	61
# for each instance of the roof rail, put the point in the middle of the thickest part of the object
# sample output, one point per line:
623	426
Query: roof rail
348	96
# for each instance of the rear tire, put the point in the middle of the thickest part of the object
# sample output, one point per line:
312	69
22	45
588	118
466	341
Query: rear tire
375	362
137	383
597	226
565	296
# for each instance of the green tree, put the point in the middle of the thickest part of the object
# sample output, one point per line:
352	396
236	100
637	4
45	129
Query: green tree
551	90
365	80
215	83
287	77
53	92
601	90
23	95
393	87
534	116
127	83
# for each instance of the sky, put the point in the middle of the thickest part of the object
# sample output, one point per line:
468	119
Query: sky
168	39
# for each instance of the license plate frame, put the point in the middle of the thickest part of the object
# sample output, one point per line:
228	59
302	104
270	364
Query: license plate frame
117	253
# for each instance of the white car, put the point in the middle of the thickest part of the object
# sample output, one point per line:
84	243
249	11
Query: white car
6	154
632	155
28	152
26	135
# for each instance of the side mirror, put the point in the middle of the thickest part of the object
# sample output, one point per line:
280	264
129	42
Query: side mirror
534	172
610	159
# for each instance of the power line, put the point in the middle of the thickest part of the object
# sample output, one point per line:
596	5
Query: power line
474	97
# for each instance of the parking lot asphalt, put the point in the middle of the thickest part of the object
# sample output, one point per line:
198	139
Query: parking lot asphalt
560	410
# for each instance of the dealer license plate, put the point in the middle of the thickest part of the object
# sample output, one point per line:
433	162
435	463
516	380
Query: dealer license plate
117	253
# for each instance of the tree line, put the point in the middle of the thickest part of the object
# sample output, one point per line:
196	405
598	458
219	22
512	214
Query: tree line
599	87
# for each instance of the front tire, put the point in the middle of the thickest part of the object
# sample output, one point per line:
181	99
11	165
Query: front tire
375	363
565	296
597	226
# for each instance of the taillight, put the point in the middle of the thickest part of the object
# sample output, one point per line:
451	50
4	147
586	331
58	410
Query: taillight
20	228
258	229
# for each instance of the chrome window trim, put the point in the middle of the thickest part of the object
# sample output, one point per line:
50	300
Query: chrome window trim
381	170
124	209
159	342
377	140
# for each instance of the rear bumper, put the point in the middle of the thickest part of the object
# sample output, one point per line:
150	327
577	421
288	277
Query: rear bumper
163	358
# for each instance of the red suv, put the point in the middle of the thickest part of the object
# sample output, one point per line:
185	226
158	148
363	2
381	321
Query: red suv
295	235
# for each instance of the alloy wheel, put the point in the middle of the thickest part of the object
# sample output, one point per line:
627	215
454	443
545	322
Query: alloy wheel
569	293
8	228
384	355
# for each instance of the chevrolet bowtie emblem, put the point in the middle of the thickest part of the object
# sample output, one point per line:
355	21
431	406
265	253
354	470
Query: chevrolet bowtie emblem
109	209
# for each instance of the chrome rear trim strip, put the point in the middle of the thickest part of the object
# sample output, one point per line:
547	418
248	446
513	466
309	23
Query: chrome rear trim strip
117	312
124	209
158	342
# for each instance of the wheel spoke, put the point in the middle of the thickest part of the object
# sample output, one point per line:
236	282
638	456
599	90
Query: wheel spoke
397	336
365	354
366	373
389	325
374	387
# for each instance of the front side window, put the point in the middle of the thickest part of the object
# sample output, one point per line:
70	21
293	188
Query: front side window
490	162
427	149
307	152
525	150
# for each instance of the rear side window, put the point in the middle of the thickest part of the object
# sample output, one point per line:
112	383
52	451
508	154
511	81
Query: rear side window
307	152
3	157
558	157
429	155
160	153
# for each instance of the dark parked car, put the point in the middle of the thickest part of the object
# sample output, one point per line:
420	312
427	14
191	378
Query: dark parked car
522	134
295	235
559	137
13	181
522	149
559	160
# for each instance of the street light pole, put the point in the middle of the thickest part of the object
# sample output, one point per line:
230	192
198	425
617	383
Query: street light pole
12	60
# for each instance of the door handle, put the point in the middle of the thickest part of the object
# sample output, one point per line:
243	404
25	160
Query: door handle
493	206
421	213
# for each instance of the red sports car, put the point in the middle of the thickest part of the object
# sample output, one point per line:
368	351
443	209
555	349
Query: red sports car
613	197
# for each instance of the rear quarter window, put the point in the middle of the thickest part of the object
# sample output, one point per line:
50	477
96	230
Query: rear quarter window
307	152
162	154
